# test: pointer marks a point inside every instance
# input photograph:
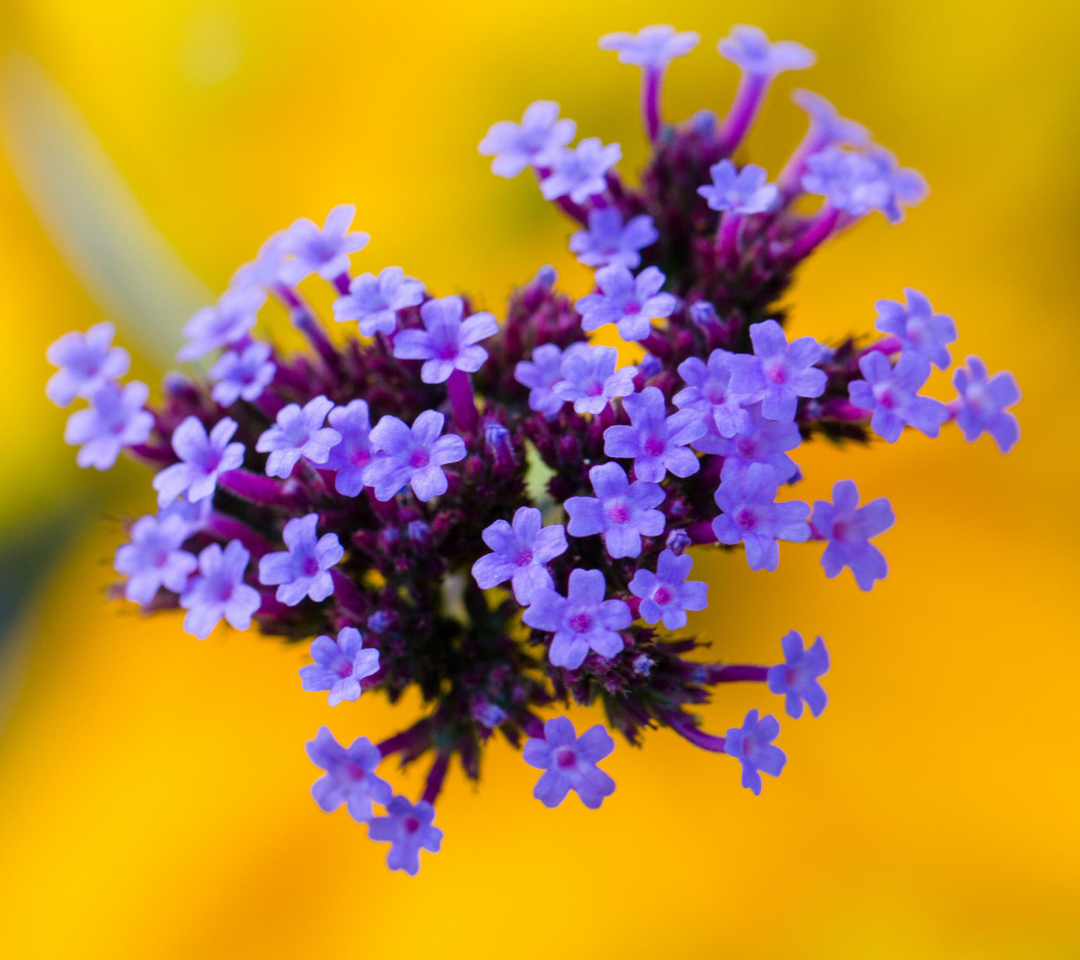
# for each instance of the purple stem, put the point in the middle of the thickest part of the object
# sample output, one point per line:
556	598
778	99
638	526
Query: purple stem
701	532
728	239
683	724
819	230
462	400
346	594
790	179
229	528
886	345
736	673
406	741
748	99
254	487
531	724
341	282
651	84
435	778
306	322
838	408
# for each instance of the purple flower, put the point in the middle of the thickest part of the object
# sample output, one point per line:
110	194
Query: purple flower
751	516
751	744
655	442
87	362
591	380
580	172
608	243
375	301
446	344
303	569
540	375
243	375
918	328
298	433
192	515
826	124
848	528
622	512
778	373
353	453
651	47
750	50
350	775
533	142
408	830
630	302
154	558
902	185
219	591
767	441
323	251
982	401
227	322
796	678
262	272
202	460
415	457
115	419
667	594
849	181
519	553
740	191
891	392
569	763
581	621
708	394
339	666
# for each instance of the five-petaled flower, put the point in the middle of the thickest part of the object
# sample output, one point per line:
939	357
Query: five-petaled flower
413	456
902	185
540	374
533	142
115	419
349	457
299	432
570	763
446	343
750	50
848	528
590	380
651	47
666	595
740	191
519	552
303	568
751	744
767	441
778	373
375	301
849	181
826	125
796	678
608	242
581	172
203	458
408	829
219	591
917	327
655	442
982	402
708	393
155	558
892	393
227	322
325	251
87	362
581	621
243	375
350	777
622	512
339	666
629	302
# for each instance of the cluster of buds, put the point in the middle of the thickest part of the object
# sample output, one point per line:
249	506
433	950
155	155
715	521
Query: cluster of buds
495	512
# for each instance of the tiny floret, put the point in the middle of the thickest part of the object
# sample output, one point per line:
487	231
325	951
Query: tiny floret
540	374
740	191
87	362
892	393
243	375
752	517
446	343
580	173
982	402
622	512
767	441
849	181
918	328
533	142
519	552
349	457
570	763
375	301
655	442
350	775
299	432
303	569
827	126
590	380
325	251
339	666
778	373
751	744
203	458
630	302
750	50
903	186
408	829
651	47
413	456
155	558
797	677
848	528
229	321
708	393
115	419
218	591
608	242
666	595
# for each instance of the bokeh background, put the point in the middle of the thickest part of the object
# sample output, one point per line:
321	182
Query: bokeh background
153	789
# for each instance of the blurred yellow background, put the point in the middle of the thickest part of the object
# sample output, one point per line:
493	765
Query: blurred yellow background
154	790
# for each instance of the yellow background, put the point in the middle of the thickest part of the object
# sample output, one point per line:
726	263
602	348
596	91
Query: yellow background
153	789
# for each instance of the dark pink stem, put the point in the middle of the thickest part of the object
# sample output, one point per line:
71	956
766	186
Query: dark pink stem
736	673
886	345
728	240
683	724
818	232
435	778
701	532
229	528
462	400
744	109
651	85
253	486
341	283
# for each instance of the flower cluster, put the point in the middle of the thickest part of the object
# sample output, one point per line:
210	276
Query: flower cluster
496	512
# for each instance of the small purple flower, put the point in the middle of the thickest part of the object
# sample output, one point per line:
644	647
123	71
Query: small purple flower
303	569
323	251
651	47
849	181
751	516
752	745
667	594
298	433
540	375
202	460
408	830
569	763
115	419
262	272
750	50
778	373
767	441
796	678
630	302
826	124
591	380
349	457
243	375
375	301
902	184
339	666
608	243
581	172
154	558
655	442
447	343
533	142
848	528
917	326
350	775
892	393
622	512
87	362
982	404
581	621
708	393
519	553
415	457
229	321
192	515
219	591
740	191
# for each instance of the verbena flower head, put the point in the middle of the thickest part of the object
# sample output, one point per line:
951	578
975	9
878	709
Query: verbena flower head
440	531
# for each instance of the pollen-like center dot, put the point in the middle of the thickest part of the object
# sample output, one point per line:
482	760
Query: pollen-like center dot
223	591
745	518
360	457
354	771
419	459
309	566
744	447
631	307
595	389
776	374
161	558
116	427
654	446
715	394
580	622
619	513
887	399
662	596
344	670
524	558
841	530
565	758
411	824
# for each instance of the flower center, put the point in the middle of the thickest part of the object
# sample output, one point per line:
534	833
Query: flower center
419	459
632	307
654	446
344	670
354	771
161	558
524	558
309	566
619	513
581	622
662	596
411	824
888	399
745	447
565	758
595	389
776	374
745	518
